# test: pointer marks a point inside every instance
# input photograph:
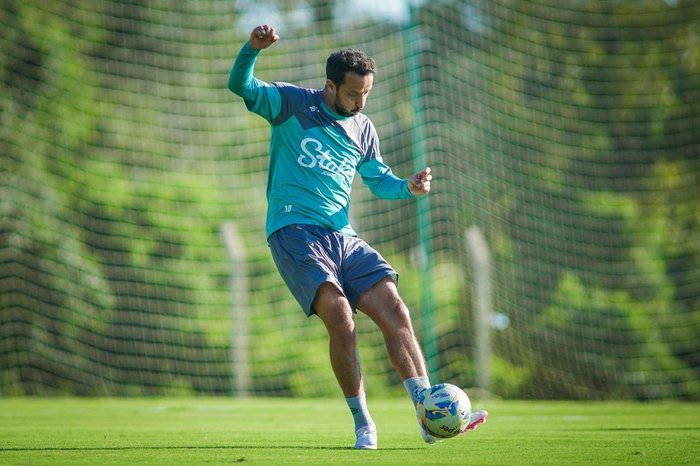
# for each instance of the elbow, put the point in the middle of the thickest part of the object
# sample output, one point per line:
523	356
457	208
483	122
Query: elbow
237	81
235	87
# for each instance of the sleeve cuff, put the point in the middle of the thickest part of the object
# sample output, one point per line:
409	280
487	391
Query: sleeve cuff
407	191
248	49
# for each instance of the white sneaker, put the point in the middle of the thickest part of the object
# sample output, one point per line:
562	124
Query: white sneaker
366	438
476	418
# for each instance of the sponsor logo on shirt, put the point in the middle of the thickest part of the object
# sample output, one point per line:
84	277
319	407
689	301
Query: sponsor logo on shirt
315	154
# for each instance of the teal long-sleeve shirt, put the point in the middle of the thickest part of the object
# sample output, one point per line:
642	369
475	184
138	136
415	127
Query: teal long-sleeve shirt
314	152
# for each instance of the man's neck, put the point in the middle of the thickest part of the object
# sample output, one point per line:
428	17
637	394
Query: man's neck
327	98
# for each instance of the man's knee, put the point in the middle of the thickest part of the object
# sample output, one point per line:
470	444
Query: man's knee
334	310
328	297
385	307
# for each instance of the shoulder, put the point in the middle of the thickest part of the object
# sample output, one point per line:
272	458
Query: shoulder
294	99
294	92
365	128
361	130
363	120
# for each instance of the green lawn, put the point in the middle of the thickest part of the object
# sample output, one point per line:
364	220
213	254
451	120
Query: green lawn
179	431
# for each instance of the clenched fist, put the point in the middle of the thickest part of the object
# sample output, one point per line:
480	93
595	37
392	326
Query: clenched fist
263	36
420	182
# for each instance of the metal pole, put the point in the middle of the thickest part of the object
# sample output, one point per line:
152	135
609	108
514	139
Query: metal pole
413	51
239	309
482	302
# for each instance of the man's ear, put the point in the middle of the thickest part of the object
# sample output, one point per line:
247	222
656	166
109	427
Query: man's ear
330	85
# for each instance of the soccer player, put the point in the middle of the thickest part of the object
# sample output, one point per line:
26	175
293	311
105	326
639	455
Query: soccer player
319	140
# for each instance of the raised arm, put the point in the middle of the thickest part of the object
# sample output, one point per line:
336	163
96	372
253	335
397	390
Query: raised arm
241	80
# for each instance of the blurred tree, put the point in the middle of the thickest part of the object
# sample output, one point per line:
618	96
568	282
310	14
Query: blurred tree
54	300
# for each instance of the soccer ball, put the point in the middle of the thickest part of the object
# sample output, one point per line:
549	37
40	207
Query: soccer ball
443	410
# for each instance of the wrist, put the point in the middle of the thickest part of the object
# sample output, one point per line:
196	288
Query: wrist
409	190
248	46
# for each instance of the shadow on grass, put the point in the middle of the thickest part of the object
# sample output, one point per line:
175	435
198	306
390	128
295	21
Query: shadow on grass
205	447
660	428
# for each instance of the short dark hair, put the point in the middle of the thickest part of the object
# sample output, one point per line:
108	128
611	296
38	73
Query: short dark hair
345	60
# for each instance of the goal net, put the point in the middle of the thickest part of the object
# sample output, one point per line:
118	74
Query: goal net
133	258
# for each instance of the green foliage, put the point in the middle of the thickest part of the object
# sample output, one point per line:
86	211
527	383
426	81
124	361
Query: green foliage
568	134
55	299
579	138
607	345
70	308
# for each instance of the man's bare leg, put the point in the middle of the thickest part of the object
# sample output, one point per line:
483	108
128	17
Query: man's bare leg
385	307
334	310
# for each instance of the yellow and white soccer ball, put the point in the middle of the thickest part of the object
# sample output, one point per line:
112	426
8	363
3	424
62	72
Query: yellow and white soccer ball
444	410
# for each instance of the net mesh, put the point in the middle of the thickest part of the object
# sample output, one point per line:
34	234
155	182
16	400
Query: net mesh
566	131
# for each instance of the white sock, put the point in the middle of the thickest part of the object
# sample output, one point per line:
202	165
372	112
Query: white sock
359	411
414	385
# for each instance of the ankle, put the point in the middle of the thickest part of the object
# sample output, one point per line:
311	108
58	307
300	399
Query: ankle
414	385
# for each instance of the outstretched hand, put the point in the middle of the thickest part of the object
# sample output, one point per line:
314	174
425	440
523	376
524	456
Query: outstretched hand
420	182
263	36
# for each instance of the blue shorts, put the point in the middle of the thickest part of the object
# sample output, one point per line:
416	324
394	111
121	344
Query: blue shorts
309	255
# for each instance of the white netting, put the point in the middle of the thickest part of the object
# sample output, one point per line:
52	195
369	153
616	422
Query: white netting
568	132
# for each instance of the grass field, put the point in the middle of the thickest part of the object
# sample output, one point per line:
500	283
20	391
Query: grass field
180	431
